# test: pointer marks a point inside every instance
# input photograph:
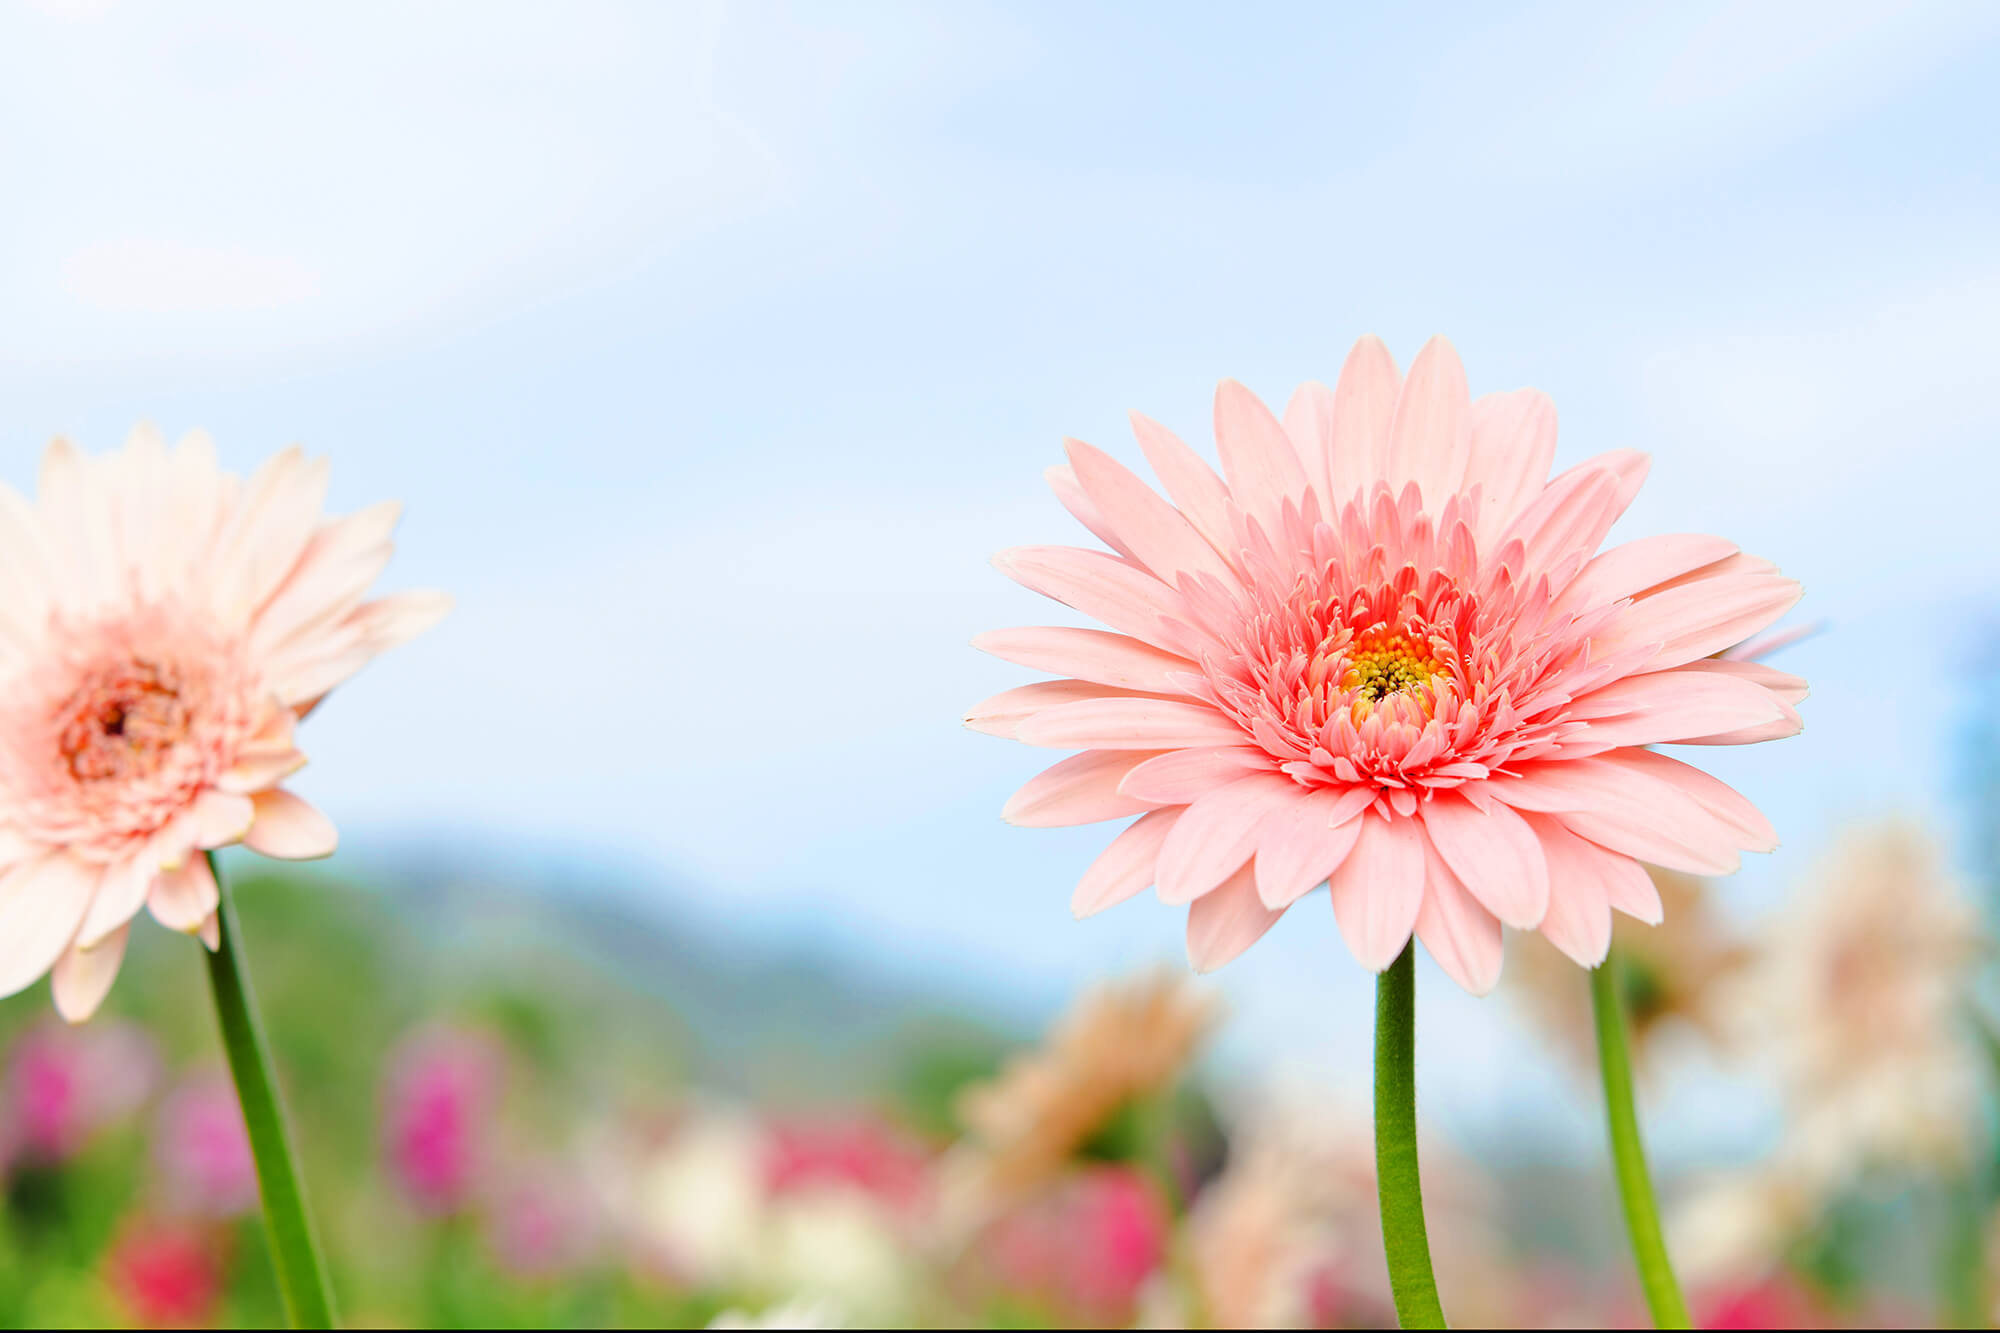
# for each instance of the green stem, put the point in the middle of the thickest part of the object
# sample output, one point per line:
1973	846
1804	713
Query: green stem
1635	1187
1404	1240
294	1252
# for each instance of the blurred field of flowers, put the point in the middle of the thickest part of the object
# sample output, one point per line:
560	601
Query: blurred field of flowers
555	1123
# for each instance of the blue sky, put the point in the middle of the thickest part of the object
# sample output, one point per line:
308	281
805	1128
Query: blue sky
715	348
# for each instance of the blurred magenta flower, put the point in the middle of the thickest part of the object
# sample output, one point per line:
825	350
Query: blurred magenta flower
438	1105
63	1085
1089	1245
164	625
202	1151
166	1275
1386	654
862	1153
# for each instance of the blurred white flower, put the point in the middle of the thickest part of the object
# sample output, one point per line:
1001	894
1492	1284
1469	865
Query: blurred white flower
698	1202
792	1314
1735	1228
835	1245
1859	996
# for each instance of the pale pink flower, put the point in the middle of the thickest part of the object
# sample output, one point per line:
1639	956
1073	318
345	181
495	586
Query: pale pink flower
163	626
202	1150
1385	654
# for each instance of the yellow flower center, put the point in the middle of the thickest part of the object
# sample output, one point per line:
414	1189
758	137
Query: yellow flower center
1386	664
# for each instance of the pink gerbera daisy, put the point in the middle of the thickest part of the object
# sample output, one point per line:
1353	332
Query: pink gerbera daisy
1382	653
163	626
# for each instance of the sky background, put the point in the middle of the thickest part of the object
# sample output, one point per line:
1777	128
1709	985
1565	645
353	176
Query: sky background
714	348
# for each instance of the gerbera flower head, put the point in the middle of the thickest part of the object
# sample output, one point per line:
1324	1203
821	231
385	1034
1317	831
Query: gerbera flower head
1381	651
163	626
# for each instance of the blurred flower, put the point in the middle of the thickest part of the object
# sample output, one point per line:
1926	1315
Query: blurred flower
62	1086
202	1150
695	1205
1774	1302
165	625
1088	1247
437	1107
166	1276
1733	1230
1117	1045
1385	652
791	1314
1289	1236
542	1222
839	1246
864	1154
1676	976
1860	993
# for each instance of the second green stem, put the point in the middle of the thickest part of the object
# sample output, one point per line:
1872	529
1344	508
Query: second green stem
1635	1186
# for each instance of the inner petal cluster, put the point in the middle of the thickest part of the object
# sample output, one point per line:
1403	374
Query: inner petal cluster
122	729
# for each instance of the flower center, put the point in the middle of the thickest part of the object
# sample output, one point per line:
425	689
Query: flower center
1382	664
122	722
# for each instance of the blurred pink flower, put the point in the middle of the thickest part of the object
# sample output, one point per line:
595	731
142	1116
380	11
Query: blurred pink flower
202	1151
62	1086
1776	1302
862	1153
1088	1246
438	1104
1385	655
543	1222
166	1276
164	625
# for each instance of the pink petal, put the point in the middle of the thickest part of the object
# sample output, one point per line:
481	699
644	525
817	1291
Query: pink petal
289	829
1257	456
1154	531
42	902
121	892
1364	405
1130	724
1697	619
1190	483
1431	436
1579	918
1306	841
1462	937
181	899
1378	889
1103	587
1578	508
1513	442
1126	867
82	977
1790	689
1666	706
1618	804
220	818
1071	495
1001	714
1309	423
1216	835
1630	889
1630	569
1712	794
1494	854
1088	654
1082	789
1224	923
1180	777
